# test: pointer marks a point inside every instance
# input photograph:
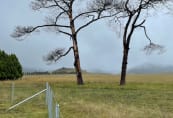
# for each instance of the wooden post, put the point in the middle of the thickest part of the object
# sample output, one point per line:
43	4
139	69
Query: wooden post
12	92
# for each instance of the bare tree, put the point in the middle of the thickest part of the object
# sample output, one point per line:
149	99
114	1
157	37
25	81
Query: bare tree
131	15
65	20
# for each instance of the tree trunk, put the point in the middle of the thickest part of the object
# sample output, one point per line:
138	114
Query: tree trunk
75	49
124	66
77	62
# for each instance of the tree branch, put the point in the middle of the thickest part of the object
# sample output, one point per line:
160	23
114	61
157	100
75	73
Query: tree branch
133	26
146	33
21	31
56	2
63	32
58	16
51	25
66	3
140	24
60	56
84	13
57	54
126	6
93	20
39	7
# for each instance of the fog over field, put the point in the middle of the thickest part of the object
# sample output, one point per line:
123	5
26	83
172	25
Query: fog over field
99	46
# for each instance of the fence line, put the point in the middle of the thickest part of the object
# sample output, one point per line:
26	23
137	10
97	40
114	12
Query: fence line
52	105
26	99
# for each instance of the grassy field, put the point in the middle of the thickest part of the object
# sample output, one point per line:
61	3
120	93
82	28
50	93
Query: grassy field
144	96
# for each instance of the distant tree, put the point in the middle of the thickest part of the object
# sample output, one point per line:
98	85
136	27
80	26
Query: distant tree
66	20
131	16
10	67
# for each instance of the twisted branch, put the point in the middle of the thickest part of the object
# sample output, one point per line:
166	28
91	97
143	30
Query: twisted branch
57	54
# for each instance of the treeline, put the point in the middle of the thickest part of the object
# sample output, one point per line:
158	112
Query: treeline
37	73
62	70
10	68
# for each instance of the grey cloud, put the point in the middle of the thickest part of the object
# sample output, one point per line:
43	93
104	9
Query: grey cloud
99	47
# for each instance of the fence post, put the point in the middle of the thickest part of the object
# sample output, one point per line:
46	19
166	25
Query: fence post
47	90
12	92
51	104
57	111
49	101
53	109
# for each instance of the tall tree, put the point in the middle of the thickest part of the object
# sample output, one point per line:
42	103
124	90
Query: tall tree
65	20
131	16
134	12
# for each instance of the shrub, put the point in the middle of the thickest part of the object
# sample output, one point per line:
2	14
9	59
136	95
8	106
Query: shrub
10	67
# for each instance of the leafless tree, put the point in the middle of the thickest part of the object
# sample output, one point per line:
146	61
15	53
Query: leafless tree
66	20
131	15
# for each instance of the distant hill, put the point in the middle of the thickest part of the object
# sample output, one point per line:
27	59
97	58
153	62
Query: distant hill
65	70
150	69
62	70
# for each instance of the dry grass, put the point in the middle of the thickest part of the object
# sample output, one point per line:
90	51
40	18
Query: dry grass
115	111
106	78
144	96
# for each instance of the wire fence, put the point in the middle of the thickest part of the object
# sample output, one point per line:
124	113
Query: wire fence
27	98
53	106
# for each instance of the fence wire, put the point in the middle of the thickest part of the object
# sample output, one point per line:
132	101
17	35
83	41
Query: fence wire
43	105
53	107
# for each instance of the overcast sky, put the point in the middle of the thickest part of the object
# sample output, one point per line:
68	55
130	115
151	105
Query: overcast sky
99	47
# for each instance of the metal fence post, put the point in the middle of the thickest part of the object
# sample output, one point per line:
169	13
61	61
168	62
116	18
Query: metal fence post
51	100
48	101
53	108
47	87
57	111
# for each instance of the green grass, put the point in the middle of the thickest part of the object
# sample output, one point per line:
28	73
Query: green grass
144	96
34	108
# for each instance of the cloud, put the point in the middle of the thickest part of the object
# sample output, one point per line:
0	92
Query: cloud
100	48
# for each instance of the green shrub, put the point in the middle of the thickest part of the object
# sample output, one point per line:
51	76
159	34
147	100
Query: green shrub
10	67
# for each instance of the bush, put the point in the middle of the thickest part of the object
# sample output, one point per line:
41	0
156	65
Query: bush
10	68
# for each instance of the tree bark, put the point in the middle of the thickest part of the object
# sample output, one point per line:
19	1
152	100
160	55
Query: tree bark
77	62
124	66
75	49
